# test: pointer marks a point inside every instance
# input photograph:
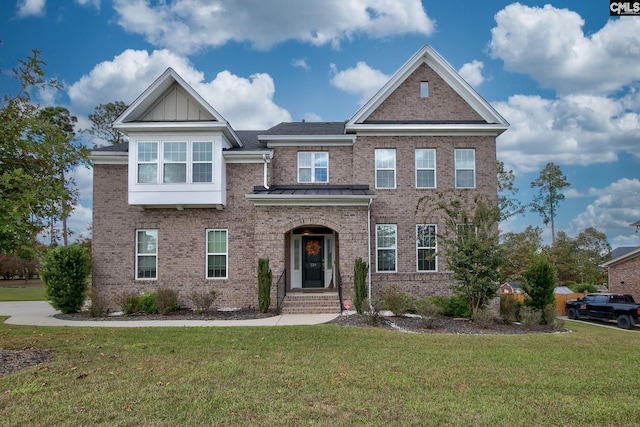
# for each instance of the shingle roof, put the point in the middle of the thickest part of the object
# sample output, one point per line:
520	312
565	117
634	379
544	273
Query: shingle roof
307	128
120	148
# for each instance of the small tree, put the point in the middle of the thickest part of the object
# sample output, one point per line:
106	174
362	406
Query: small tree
360	270
550	184
264	285
471	244
539	283
64	272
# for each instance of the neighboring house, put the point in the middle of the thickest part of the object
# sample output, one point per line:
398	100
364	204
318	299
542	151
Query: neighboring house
624	273
190	203
510	288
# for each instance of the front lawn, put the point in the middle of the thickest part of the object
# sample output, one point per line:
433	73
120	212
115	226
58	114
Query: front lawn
19	290
321	375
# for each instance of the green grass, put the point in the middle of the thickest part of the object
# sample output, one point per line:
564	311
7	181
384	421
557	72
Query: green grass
321	375
18	290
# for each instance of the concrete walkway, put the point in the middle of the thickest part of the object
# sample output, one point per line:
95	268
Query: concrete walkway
40	313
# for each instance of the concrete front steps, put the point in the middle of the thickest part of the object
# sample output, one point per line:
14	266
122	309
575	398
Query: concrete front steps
311	303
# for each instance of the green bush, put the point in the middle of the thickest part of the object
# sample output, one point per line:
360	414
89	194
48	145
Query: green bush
531	318
202	300
360	271
539	282
135	304
96	309
373	316
484	318
581	288
395	301
166	300
264	285
455	306
509	309
64	273
427	311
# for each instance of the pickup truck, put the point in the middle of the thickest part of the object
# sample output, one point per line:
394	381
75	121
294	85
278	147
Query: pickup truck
619	307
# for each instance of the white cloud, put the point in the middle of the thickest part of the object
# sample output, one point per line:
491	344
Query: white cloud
360	80
615	207
94	3
312	117
472	73
573	130
549	45
300	63
189	25
30	8
247	103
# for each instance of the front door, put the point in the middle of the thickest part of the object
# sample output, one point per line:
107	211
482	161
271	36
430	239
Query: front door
313	262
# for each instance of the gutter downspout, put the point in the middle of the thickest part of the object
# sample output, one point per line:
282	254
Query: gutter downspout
264	157
369	253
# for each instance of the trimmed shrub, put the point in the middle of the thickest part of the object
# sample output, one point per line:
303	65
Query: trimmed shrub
427	311
135	304
539	282
509	309
166	300
455	306
64	273
202	300
395	301
148	303
360	271
530	318
264	285
484	318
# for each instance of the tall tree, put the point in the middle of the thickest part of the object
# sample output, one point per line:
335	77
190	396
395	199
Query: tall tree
30	193
519	248
594	250
509	206
102	120
550	184
65	154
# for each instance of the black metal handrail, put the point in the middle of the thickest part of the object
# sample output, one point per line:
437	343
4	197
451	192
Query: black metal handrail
339	278
281	290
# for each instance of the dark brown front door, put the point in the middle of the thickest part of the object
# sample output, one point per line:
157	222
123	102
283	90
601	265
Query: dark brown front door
313	262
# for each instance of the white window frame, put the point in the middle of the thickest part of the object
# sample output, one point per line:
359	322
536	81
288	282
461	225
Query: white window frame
313	166
225	254
459	152
419	168
434	248
379	151
146	255
160	161
393	247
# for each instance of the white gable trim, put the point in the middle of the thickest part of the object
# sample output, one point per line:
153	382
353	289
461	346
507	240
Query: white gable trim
129	119
430	57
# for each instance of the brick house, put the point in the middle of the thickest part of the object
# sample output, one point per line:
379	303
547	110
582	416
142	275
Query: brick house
624	273
190	203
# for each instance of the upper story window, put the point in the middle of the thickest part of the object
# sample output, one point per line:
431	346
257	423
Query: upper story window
385	168
182	162
465	168
425	168
313	166
424	89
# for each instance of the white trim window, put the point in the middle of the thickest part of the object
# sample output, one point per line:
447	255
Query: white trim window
217	254
386	248
313	166
183	162
425	168
465	168
385	168
146	254
426	247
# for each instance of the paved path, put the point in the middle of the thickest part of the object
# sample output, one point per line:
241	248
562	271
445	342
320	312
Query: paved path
40	313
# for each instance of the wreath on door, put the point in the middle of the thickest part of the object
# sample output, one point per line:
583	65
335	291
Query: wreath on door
312	248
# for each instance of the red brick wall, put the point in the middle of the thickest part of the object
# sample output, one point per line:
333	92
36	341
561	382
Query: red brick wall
443	103
629	272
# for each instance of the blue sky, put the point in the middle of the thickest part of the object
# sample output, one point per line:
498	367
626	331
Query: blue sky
565	74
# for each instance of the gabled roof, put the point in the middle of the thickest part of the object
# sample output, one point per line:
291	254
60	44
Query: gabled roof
492	120
626	255
136	116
